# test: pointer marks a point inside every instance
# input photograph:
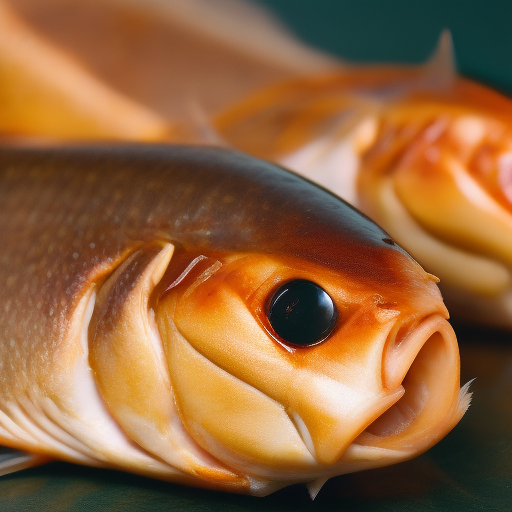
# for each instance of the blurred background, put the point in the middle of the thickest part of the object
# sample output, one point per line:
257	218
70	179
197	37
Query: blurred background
407	31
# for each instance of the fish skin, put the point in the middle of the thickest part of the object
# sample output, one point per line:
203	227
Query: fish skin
212	198
83	227
339	117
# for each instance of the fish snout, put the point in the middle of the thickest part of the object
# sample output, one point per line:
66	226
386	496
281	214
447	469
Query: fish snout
423	361
416	402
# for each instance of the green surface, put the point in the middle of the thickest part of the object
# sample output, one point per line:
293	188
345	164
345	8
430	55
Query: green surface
471	469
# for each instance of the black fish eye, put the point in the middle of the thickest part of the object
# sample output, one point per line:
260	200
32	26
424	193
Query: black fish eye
302	313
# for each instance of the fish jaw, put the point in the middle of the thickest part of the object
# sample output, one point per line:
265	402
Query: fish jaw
296	414
431	403
427	402
419	402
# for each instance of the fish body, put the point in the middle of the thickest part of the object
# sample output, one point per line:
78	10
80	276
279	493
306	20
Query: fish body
138	333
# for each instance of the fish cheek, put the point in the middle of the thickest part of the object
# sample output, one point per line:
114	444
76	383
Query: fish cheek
209	338
323	398
222	318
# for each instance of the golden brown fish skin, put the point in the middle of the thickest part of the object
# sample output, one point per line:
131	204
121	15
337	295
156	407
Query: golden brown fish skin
83	193
394	141
280	119
70	214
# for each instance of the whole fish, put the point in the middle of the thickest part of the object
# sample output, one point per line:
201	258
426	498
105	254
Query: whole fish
204	317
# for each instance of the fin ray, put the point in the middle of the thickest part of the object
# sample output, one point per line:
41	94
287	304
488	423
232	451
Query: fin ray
440	70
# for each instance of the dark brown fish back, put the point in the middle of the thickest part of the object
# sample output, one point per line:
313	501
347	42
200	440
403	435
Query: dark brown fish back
208	198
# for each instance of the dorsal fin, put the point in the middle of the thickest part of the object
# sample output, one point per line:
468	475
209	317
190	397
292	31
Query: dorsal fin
440	69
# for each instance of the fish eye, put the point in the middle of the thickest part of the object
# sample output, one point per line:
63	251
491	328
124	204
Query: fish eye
302	313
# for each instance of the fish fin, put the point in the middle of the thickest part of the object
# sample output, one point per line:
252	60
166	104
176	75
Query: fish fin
198	128
315	485
465	397
440	70
12	460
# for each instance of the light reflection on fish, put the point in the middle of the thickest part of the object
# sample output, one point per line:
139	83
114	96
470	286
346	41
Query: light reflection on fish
204	317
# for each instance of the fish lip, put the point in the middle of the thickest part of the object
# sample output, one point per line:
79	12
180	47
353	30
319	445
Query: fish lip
406	342
432	403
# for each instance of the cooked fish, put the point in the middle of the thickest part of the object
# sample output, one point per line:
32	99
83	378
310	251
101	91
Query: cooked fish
378	136
204	317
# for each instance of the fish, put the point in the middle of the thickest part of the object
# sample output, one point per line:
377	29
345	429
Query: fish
197	315
58	83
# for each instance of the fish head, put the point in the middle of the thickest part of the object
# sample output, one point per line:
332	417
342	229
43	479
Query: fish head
291	341
304	369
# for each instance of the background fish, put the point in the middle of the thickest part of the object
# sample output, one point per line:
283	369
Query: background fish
424	153
149	322
380	137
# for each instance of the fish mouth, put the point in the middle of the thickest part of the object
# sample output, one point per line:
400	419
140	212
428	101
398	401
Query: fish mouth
424	362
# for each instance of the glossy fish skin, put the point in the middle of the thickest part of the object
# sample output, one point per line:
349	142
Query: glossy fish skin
135	283
369	133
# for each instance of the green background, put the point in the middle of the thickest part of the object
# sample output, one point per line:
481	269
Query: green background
469	470
407	31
